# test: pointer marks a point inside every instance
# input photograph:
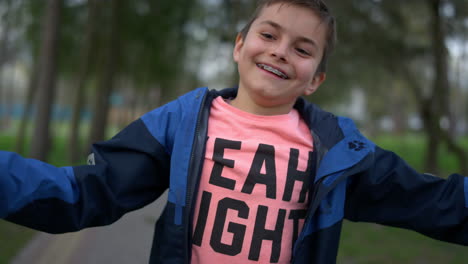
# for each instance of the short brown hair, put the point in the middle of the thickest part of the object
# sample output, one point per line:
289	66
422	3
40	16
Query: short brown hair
317	6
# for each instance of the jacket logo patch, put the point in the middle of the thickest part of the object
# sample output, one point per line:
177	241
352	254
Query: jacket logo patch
356	145
91	160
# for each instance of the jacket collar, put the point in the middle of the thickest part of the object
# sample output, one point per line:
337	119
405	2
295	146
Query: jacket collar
337	142
336	139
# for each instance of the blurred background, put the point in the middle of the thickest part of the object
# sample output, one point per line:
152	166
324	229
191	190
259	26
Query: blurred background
74	72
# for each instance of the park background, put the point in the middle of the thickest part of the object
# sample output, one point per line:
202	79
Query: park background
74	72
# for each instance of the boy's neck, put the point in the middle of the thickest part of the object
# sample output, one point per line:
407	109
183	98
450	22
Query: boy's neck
243	102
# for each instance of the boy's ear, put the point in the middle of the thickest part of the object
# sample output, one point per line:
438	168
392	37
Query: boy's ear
237	47
318	79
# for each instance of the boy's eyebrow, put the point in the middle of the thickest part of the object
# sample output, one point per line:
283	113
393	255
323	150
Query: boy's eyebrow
301	38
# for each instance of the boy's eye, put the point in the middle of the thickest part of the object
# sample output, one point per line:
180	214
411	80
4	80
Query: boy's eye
267	35
303	51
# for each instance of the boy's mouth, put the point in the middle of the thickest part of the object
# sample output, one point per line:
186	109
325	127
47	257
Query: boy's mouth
276	72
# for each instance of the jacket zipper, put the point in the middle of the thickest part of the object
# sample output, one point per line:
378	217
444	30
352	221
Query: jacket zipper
315	203
315	187
306	220
193	178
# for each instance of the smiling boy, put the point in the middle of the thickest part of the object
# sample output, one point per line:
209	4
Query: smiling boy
278	59
255	174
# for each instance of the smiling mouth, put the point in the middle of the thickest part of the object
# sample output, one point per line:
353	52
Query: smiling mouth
273	70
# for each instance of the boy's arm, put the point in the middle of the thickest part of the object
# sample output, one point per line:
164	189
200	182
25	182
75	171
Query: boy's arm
392	193
127	172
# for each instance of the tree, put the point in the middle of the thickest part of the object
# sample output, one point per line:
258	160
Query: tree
108	72
46	79
28	105
32	38
5	19
438	104
405	43
86	59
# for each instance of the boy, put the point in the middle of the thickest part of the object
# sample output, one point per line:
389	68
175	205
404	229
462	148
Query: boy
255	174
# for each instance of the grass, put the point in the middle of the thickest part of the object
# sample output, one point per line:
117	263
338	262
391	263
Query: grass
372	243
412	148
360	243
12	239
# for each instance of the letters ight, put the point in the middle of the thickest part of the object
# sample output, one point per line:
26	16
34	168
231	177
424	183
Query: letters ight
260	234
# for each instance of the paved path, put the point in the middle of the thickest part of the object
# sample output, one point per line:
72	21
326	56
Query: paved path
126	241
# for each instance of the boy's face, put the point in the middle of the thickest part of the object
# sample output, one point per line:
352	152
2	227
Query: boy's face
278	58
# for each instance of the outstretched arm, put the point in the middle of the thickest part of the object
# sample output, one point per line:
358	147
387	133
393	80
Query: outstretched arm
392	193
127	172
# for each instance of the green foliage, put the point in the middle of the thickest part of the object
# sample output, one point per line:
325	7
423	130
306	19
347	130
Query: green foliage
152	36
412	148
375	38
377	42
372	243
31	12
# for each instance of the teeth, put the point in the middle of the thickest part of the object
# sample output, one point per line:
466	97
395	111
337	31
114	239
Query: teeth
273	70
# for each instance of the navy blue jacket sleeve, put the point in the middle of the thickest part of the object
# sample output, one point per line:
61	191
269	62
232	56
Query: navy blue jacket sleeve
126	172
392	193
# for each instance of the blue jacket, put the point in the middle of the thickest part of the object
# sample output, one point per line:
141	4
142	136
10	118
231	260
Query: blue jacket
354	179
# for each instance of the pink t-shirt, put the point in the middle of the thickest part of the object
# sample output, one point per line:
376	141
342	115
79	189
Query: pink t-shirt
253	192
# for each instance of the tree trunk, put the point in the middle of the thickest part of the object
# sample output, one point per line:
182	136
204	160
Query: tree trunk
83	71
458	151
432	128
46	80
4	43
442	86
398	110
441	90
27	110
430	120
8	98
106	82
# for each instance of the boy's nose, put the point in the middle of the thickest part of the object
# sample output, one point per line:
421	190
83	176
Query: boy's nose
280	52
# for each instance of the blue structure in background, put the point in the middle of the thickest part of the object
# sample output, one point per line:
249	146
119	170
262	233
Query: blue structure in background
59	112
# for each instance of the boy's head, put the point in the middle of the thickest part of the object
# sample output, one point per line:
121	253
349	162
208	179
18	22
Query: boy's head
281	54
318	7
